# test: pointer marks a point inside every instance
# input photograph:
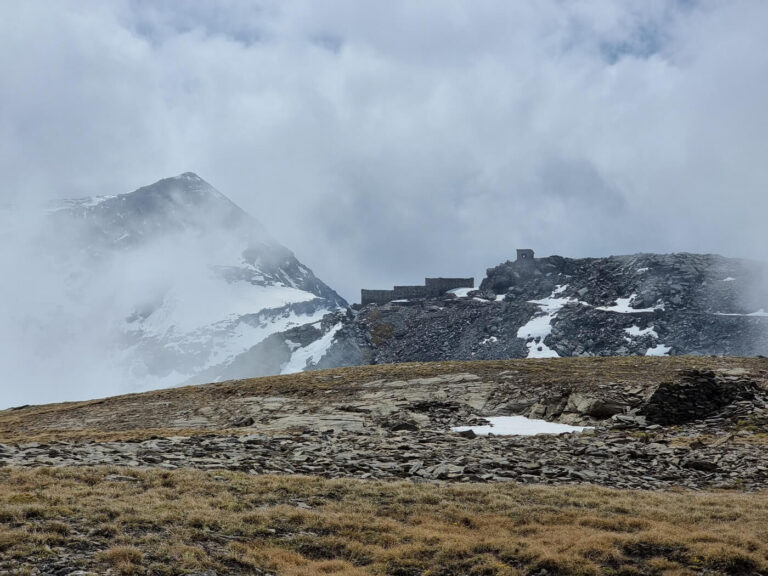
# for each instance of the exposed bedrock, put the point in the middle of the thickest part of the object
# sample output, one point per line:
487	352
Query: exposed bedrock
644	304
701	429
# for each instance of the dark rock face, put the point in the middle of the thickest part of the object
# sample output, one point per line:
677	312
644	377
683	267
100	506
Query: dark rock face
696	396
644	304
456	329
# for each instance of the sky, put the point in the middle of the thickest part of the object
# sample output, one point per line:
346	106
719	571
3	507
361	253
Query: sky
385	142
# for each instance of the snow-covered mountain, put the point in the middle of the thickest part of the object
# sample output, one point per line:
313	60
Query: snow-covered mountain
188	281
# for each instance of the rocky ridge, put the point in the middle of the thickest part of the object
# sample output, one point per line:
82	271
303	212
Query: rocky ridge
644	304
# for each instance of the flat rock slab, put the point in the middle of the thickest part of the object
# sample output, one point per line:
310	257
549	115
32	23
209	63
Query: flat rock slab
400	428
607	457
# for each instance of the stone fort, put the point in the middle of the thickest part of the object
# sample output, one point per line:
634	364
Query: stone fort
432	288
524	255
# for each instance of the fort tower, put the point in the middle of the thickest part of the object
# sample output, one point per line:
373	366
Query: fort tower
524	255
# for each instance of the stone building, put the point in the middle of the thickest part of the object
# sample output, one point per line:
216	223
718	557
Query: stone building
524	254
432	288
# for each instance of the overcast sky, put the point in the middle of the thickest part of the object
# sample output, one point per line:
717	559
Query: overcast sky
387	141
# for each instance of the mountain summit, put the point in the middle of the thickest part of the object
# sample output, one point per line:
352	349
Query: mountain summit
198	281
184	203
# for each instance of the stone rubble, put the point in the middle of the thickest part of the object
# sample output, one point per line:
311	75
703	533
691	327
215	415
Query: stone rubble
392	430
608	457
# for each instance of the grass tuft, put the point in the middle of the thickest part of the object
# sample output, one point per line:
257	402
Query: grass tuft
237	523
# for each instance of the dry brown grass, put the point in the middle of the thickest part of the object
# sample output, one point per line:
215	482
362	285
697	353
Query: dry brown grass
124	559
140	416
176	522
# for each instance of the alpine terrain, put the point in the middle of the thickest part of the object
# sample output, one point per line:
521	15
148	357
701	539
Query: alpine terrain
643	304
200	281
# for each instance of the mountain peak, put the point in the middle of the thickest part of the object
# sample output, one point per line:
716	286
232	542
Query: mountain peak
183	203
188	176
184	193
187	181
207	282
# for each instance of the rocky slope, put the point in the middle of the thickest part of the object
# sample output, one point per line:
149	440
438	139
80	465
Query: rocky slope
645	304
657	423
124	484
197	281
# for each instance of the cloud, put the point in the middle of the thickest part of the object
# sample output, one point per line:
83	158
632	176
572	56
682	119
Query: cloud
387	142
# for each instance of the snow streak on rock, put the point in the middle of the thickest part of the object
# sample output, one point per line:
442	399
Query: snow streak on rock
624	306
539	327
305	356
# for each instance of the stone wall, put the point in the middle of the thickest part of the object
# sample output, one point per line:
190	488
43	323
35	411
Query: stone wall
376	296
432	288
406	292
698	395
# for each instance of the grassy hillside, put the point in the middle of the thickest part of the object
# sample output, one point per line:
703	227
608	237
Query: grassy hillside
158	522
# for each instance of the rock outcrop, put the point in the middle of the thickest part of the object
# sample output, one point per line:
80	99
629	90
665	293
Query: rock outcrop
646	304
696	396
701	429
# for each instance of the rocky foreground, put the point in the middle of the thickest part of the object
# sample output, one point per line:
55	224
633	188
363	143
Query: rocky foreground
608	457
357	472
701	428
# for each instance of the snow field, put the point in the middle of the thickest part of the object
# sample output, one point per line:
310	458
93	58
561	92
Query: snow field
520	426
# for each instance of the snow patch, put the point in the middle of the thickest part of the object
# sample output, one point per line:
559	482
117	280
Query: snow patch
520	426
539	327
461	292
635	331
311	353
624	306
187	308
729	279
292	345
217	343
658	350
760	314
489	340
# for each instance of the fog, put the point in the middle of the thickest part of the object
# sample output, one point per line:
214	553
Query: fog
64	333
382	143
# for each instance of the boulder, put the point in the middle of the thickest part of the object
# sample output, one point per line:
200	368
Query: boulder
591	405
242	422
